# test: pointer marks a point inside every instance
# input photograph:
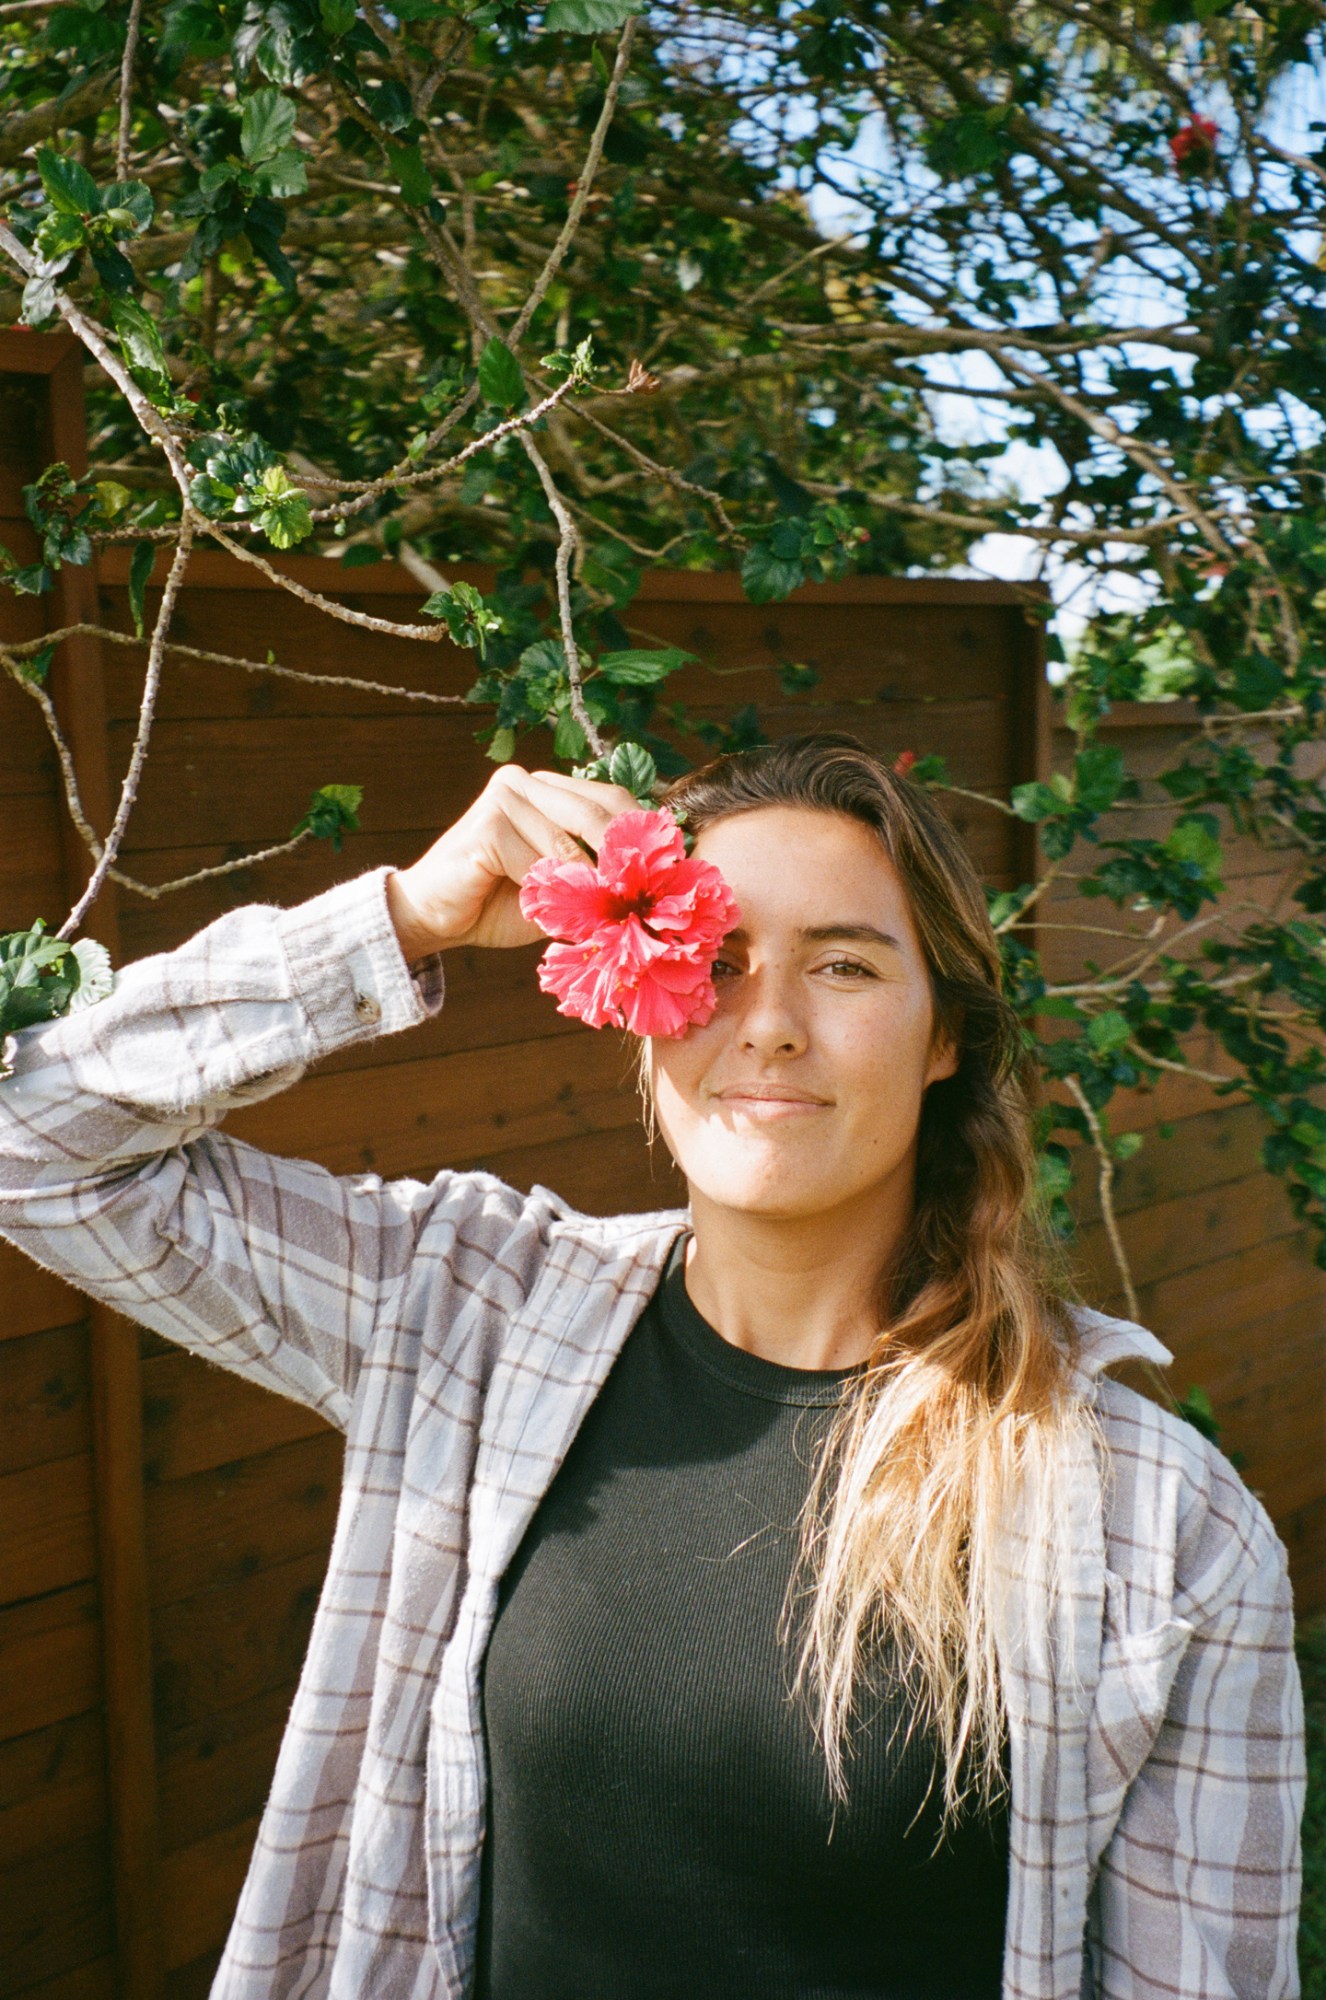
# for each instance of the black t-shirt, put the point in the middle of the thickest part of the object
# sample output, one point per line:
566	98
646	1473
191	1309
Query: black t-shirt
660	1823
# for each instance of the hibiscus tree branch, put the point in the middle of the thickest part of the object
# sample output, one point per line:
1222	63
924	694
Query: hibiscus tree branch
126	90
567	234
1105	1185
567	545
87	833
27	648
138	755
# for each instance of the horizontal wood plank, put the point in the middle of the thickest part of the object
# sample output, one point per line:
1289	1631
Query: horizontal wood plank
218	1770
195	1980
97	1981
451	1110
52	1787
55	1914
50	1659
200	1887
197	1416
219	1526
225	1646
33	1298
49	1538
45	1406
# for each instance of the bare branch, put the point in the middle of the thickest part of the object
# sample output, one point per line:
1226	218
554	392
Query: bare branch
23	130
138	755
126	90
567	233
28	647
567	545
1105	1184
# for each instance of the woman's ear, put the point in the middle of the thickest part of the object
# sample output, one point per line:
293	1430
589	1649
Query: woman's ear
945	1052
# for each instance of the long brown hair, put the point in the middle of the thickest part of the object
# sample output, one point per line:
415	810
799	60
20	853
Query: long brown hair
960	1417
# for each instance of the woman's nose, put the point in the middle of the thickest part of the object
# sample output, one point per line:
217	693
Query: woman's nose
771	1023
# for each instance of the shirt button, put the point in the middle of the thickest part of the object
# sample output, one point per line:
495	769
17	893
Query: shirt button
367	1007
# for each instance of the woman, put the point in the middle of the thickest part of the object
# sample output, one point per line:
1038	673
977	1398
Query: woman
776	1598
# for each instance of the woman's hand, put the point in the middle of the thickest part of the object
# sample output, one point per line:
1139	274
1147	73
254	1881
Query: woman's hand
465	889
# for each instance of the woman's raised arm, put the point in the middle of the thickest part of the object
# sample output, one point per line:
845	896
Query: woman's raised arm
112	1172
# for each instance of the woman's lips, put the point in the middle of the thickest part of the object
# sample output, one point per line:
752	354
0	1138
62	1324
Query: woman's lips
770	1103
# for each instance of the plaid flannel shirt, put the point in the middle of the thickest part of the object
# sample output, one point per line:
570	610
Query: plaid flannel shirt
457	1332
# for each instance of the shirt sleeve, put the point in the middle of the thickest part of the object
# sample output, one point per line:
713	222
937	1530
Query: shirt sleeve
113	1175
1198	1892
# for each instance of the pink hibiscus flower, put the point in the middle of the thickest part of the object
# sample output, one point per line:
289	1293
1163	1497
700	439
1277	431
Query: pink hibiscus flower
638	933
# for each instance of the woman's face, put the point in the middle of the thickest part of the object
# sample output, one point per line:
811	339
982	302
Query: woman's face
802	1095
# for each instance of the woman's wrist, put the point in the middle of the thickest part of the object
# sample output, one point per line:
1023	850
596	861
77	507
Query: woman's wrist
416	938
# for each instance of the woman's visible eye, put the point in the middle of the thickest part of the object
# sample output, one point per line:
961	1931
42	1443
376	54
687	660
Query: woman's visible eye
849	968
724	968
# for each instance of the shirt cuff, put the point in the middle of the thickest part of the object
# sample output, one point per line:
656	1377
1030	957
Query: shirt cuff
348	970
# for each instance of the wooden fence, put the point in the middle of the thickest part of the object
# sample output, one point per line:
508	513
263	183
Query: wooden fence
167	1525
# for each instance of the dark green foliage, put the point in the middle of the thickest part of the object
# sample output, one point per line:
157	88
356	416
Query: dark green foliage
1051	250
333	812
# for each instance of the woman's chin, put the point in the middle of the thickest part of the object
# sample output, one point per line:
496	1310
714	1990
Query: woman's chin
775	1197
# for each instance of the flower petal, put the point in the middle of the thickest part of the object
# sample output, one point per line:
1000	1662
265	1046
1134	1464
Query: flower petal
564	898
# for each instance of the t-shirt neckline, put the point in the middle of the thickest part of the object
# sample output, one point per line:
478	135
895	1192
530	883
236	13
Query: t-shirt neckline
751	1374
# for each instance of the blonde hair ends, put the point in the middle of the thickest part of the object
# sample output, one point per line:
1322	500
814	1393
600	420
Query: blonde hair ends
963	1421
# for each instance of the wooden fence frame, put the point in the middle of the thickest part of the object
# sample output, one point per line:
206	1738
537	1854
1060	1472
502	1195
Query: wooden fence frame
78	692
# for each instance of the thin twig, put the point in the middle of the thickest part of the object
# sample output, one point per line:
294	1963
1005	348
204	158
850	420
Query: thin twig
342	509
566	235
153	891
567	544
24	649
138	756
126	90
1105	1182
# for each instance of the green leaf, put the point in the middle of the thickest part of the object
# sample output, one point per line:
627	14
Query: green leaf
266	125
338	17
1193	839
642	666
1035	802
140	573
283	175
588	17
1099	776
1108	1031
140	340
38	978
569	740
114	269
632	766
39	299
95	977
500	380
286	520
468	619
69	187
333	812
767	577
112	498
407	163
1127	1146
502	746
1196	1408
1055	1171
128	206
59	236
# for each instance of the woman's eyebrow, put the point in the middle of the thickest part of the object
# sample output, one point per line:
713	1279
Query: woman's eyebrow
856	933
829	933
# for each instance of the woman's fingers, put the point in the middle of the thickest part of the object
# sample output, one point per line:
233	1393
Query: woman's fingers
579	806
526	834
